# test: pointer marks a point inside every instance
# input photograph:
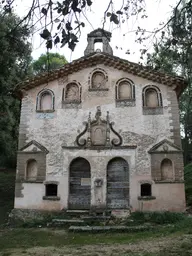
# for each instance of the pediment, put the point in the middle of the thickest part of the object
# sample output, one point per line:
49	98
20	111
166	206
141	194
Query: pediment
34	146
98	132
165	146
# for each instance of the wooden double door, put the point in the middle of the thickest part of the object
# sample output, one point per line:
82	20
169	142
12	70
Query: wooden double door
117	184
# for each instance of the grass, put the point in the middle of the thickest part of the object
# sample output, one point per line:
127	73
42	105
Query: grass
25	238
7	186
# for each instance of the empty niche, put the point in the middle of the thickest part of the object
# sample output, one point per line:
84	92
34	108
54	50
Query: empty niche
166	169
124	90
45	100
152	97
31	170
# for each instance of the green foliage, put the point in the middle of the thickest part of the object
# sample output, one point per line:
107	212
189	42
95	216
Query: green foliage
157	217
47	62
188	183
173	54
14	62
7	186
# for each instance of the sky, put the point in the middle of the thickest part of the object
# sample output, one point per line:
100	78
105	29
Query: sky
122	38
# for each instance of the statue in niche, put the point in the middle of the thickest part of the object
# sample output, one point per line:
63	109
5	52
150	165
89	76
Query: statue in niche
98	80
72	92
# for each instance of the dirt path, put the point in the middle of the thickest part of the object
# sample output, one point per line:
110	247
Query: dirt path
139	248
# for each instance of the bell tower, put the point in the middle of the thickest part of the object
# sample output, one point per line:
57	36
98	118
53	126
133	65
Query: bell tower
98	36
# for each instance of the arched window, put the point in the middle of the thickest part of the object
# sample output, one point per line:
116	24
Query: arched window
166	169
72	92
152	97
125	89
146	189
31	170
45	100
98	79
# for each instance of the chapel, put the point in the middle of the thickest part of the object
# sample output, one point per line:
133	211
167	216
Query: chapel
100	133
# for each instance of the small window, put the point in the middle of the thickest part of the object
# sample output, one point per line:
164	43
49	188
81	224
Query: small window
31	170
45	101
51	189
146	189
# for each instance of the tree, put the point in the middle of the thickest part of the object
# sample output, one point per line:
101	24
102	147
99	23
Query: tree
173	54
63	20
14	62
48	62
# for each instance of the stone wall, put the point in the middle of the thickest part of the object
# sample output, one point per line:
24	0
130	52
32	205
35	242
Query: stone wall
60	128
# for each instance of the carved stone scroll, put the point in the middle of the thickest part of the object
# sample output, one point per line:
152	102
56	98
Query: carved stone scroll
99	133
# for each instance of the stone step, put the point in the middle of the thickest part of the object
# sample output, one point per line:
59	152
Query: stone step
66	222
95	218
109	228
77	212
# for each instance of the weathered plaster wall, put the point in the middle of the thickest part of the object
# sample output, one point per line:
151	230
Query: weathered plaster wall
135	128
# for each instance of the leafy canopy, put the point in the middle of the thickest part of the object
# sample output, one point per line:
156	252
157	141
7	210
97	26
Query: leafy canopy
15	59
47	62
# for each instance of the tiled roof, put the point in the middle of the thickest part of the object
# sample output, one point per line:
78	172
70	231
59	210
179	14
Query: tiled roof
108	60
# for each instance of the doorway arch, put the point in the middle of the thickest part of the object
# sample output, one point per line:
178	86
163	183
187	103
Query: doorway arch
117	184
79	184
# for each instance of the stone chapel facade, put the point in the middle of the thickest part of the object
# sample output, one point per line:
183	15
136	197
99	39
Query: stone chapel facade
100	133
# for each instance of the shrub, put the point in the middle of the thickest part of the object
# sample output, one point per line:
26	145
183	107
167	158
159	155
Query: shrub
157	217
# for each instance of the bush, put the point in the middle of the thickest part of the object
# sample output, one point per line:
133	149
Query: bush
157	217
188	183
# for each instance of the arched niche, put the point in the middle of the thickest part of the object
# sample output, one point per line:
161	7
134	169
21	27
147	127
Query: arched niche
98	79
166	169
31	170
152	97
72	92
125	89
45	100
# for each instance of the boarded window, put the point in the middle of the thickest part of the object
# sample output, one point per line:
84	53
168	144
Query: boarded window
72	92
124	90
146	189
31	170
166	169
151	98
51	190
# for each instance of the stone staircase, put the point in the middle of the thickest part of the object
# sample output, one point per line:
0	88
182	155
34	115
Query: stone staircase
86	221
